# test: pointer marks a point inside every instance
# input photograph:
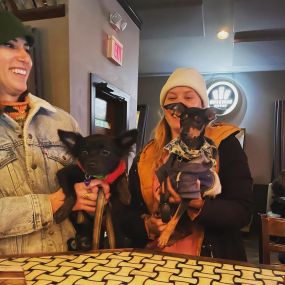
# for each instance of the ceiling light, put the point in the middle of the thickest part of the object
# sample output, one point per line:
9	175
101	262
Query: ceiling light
222	35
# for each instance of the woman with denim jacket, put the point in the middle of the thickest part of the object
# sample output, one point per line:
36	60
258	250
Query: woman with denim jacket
210	226
31	153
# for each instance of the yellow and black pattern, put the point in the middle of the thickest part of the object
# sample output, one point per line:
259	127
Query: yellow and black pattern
18	111
136	267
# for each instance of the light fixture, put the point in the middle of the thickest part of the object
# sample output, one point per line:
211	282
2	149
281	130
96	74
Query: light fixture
117	22
222	34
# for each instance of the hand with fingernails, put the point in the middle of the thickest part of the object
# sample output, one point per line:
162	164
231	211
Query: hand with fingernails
86	196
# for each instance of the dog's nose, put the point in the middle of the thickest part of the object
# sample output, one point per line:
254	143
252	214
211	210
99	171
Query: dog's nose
91	164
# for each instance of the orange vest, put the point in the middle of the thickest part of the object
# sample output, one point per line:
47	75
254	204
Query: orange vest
216	132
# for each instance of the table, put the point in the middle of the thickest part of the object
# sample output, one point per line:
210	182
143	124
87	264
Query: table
139	267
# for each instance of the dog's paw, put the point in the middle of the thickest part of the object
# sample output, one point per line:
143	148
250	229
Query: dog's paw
163	240
215	188
84	243
65	210
60	215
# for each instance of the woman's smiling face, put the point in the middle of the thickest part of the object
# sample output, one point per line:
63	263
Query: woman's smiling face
15	67
186	95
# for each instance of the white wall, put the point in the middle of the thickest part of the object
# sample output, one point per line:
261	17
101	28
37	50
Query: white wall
260	89
54	60
88	30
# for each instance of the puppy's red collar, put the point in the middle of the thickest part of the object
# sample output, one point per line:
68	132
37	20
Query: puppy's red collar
110	178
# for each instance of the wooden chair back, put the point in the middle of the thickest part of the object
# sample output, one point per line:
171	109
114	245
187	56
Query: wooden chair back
270	227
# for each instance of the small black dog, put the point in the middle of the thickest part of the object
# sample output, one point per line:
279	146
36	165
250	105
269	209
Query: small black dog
189	166
98	156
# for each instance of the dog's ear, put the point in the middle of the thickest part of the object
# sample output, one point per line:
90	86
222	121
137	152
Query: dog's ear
219	111
69	138
210	114
177	108
127	139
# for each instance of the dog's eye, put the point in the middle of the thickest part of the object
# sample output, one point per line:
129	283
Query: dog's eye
105	152
176	113
84	153
184	116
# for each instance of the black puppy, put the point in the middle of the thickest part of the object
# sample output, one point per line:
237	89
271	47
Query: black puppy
98	156
189	166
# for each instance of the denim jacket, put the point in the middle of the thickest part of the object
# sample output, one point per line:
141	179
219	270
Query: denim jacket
29	160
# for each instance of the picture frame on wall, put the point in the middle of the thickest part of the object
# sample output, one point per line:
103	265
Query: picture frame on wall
109	107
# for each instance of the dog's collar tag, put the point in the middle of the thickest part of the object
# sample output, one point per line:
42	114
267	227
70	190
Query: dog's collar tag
87	180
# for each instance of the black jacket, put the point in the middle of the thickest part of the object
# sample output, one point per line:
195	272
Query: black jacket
222	217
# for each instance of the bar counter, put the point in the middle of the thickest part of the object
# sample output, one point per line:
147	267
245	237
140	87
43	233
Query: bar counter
139	267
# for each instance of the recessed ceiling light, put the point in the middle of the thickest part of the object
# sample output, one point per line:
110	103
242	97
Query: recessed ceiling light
222	35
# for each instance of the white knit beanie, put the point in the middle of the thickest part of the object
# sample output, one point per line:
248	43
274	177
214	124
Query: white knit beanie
188	77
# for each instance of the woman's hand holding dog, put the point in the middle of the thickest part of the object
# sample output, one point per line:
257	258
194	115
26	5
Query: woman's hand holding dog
86	196
153	223
56	199
154	226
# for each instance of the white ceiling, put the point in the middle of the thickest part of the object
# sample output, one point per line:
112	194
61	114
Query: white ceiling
177	33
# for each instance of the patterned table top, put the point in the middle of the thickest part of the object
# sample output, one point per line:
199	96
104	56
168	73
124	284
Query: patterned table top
135	267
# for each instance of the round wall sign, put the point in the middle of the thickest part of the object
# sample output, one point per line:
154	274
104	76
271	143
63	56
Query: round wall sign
224	96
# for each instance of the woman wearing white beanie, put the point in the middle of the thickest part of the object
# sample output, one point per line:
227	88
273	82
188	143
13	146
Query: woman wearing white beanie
217	222
188	77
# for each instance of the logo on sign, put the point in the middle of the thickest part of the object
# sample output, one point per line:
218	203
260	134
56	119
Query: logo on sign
224	96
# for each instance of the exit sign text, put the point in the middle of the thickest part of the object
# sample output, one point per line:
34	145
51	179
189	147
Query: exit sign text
115	50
